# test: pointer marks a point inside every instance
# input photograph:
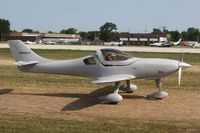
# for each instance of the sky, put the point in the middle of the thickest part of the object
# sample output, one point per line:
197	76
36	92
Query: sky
136	16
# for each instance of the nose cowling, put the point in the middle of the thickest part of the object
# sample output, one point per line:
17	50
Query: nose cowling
158	68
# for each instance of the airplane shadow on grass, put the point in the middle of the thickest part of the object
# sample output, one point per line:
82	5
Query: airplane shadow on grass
5	91
85	100
92	99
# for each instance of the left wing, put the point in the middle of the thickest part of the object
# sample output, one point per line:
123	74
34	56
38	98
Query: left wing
113	78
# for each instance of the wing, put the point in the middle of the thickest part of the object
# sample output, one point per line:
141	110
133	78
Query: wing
113	78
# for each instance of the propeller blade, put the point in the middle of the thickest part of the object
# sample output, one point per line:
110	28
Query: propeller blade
181	65
179	76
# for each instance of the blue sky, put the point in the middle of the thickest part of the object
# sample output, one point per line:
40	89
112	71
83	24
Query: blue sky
85	15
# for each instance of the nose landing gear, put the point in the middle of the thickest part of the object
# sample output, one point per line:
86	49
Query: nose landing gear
159	94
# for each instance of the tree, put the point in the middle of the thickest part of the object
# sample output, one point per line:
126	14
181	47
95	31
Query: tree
69	31
106	31
156	31
184	35
108	27
175	35
166	31
50	32
27	30
13	31
92	34
193	34
4	28
115	36
83	34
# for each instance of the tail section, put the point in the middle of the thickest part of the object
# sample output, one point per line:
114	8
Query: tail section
177	43
23	55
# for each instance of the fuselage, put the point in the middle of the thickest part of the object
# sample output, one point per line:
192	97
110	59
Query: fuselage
105	65
148	68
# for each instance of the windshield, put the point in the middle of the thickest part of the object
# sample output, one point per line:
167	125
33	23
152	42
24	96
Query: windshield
115	55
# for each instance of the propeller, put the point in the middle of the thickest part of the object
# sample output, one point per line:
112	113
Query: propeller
181	65
180	69
179	76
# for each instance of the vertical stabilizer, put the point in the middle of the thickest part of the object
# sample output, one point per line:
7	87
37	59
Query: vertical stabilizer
177	43
22	53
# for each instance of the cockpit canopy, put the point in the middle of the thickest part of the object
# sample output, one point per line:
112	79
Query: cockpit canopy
116	57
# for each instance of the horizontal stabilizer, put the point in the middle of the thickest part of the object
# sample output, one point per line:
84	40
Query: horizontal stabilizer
25	63
113	78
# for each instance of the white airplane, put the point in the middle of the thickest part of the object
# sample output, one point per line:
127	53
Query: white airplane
166	44
114	43
157	44
59	40
171	44
193	44
177	43
29	42
105	66
49	42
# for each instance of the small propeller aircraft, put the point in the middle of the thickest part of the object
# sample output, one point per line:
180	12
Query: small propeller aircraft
105	66
166	44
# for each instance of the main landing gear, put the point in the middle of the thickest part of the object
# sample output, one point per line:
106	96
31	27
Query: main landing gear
128	88
114	97
159	94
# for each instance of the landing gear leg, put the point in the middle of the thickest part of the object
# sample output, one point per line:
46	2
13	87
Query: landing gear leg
128	88
159	94
114	97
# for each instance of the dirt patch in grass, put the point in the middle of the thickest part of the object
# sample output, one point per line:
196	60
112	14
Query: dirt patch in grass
83	104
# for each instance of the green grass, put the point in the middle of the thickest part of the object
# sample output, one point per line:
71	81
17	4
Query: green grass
26	124
11	77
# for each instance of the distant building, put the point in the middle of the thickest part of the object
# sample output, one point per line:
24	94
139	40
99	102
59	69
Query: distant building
23	36
36	37
142	38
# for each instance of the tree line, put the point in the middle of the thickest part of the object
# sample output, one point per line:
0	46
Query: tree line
107	32
192	34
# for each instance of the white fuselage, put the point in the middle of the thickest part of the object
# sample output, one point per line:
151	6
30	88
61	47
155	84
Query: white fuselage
141	68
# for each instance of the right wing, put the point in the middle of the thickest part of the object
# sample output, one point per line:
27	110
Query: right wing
113	78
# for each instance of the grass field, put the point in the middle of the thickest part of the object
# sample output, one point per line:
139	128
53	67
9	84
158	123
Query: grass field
55	103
